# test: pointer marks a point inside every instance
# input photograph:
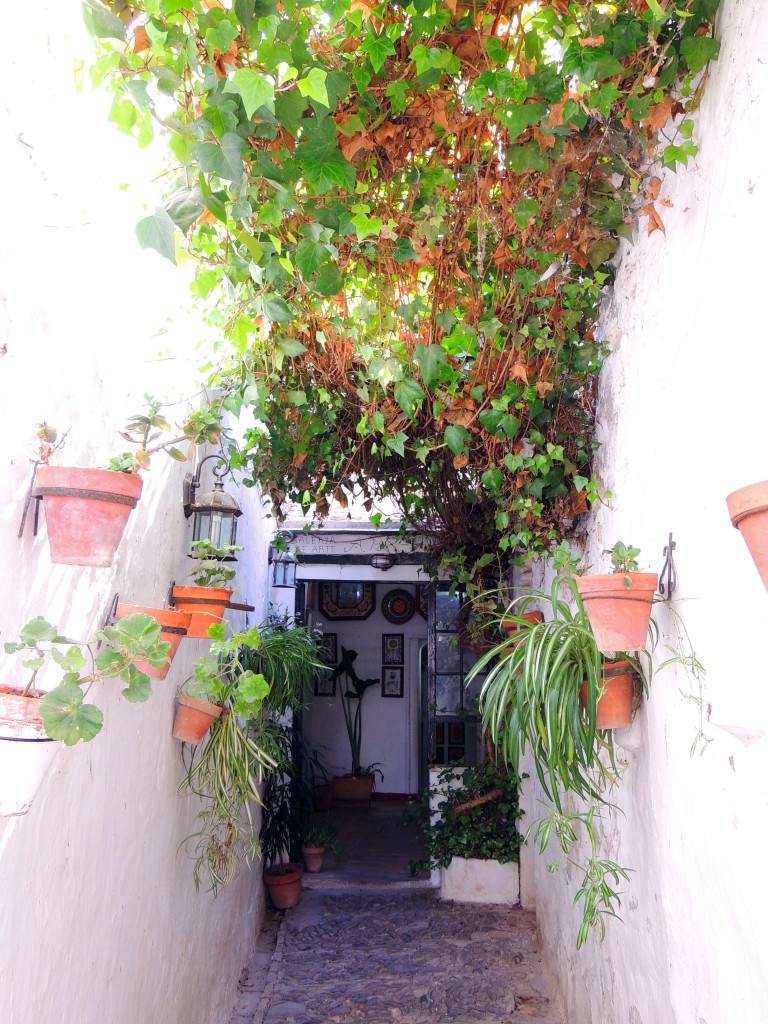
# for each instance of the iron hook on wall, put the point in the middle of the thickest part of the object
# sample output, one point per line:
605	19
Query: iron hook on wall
668	574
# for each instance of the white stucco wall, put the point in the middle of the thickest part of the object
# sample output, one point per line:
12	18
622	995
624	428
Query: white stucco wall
681	419
100	920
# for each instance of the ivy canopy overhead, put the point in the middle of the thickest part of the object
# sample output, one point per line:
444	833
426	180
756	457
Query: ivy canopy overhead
402	215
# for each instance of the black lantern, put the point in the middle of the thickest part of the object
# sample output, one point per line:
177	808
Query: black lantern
215	511
283	568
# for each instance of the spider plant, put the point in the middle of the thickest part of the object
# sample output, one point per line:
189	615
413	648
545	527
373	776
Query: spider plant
530	697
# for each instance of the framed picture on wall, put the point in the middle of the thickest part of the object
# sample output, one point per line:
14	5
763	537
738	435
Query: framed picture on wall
392	681
328	652
392	648
347	600
324	686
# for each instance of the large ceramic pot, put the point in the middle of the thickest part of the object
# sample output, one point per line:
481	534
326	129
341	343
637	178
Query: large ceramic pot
748	509
173	627
86	511
284	885
352	787
618	606
205	604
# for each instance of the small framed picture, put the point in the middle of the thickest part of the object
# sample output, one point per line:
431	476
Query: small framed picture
391	681
324	686
327	652
392	648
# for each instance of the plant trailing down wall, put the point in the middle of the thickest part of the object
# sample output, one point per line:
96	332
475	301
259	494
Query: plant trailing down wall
402	216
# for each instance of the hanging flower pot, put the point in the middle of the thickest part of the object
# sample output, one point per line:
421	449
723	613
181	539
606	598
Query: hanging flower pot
748	509
614	705
284	885
25	751
206	604
173	628
618	606
86	511
194	718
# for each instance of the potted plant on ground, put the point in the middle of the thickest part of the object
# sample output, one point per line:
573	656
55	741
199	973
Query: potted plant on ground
471	834
748	509
280	831
87	510
317	837
358	785
619	603
117	651
207	598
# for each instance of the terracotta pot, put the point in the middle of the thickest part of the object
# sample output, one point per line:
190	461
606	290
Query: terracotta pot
614	706
25	751
619	615
284	885
206	605
748	509
173	626
86	511
512	629
352	787
313	858
194	718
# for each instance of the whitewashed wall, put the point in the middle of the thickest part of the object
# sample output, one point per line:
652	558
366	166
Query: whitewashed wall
682	422
100	920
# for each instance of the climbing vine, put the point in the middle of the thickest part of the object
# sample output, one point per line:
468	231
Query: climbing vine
402	216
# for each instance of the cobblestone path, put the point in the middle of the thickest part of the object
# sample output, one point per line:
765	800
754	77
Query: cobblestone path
400	957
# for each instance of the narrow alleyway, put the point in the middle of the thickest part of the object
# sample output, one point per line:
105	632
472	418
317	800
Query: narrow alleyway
383	949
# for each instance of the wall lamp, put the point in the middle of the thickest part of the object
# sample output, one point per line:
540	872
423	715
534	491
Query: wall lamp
283	567
383	562
215	512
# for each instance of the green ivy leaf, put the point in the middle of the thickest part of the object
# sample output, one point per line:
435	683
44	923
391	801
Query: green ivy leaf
430	358
313	86
102	23
524	211
157	232
65	716
378	49
455	437
409	394
277	310
224	160
311	255
254	89
698	51
327	281
322	162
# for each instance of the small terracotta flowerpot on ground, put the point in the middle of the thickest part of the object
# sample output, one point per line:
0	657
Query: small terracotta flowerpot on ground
194	718
284	885
313	858
748	509
86	511
173	627
618	606
206	605
614	705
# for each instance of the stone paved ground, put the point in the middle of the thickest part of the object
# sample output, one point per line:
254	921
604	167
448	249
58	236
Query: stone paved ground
396	957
